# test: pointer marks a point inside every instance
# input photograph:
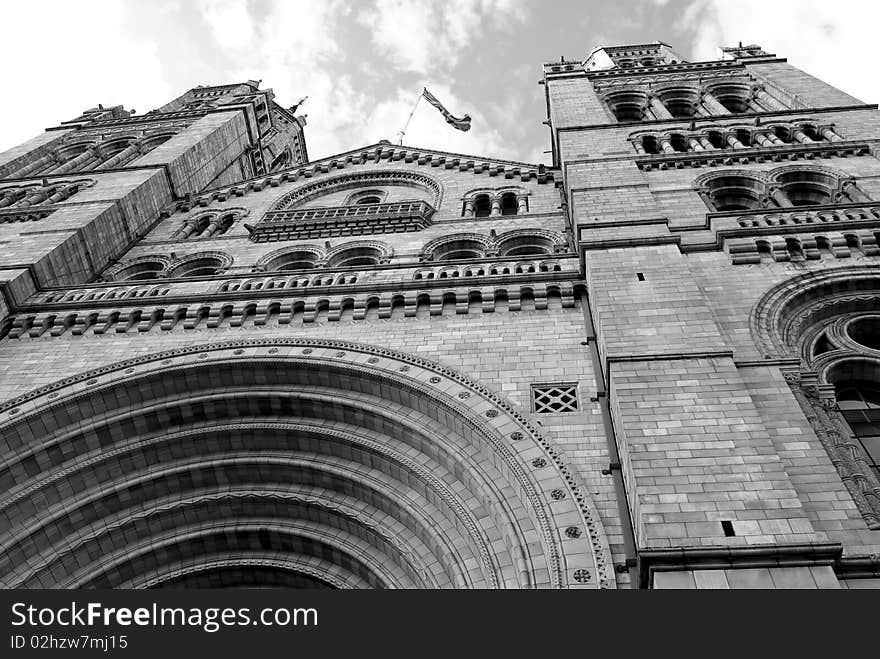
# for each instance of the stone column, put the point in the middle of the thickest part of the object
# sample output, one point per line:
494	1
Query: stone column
777	195
469	208
659	110
62	193
853	192
707	145
639	148
36	197
768	101
733	142
800	136
35	166
695	144
829	134
496	206
761	139
713	105
522	204
10	197
122	157
666	145
75	163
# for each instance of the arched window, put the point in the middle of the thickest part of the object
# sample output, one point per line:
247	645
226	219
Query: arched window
678	142
682	102
735	97
509	204
649	144
356	256
295	260
735	193
808	188
525	245
459	249
859	402
482	206
716	139
200	267
366	197
783	134
628	105
141	270
744	136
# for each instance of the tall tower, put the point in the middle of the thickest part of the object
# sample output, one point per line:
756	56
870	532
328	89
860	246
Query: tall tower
724	217
73	199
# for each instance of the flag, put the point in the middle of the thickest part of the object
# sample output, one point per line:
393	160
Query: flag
463	123
294	107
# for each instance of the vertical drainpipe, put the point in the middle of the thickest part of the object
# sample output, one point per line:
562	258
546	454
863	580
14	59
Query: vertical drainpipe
613	470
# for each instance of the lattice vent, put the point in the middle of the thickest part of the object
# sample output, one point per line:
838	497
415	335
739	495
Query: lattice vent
555	398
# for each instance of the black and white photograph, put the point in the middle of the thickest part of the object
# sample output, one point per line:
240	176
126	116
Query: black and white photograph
433	295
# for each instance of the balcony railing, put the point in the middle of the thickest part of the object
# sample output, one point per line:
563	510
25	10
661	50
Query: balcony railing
355	220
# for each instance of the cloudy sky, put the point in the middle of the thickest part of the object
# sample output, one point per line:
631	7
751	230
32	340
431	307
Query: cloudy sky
362	63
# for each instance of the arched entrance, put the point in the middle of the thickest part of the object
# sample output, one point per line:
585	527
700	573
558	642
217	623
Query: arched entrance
286	463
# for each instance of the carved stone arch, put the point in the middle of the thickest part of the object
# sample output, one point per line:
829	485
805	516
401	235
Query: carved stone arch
516	242
366	196
392	470
138	267
779	317
155	138
732	189
827	323
347	181
210	260
359	252
73	149
811	184
293	258
476	244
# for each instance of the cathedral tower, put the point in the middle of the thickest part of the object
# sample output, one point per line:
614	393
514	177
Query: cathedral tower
724	217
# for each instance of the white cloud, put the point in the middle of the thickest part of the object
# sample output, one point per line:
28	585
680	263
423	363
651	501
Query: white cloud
428	36
229	20
834	42
63	57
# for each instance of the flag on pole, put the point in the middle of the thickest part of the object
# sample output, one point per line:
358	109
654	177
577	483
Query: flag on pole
461	123
296	105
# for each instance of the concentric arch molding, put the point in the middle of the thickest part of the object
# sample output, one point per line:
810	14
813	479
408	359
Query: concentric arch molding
777	319
573	552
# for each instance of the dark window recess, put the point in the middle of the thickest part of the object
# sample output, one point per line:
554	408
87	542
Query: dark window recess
640	276
555	399
727	527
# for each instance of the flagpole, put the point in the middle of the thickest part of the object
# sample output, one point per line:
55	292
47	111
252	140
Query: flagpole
408	119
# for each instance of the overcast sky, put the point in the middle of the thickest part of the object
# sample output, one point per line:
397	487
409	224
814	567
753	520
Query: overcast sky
363	63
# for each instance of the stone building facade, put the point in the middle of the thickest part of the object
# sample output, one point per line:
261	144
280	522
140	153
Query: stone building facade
653	363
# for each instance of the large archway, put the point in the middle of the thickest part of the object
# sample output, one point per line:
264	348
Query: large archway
286	463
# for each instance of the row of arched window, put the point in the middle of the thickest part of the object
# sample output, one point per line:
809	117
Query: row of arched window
91	155
348	255
739	190
26	196
486	204
208	225
686	101
710	139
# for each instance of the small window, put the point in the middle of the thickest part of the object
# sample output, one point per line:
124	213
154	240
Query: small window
509	205
482	206
368	200
554	398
